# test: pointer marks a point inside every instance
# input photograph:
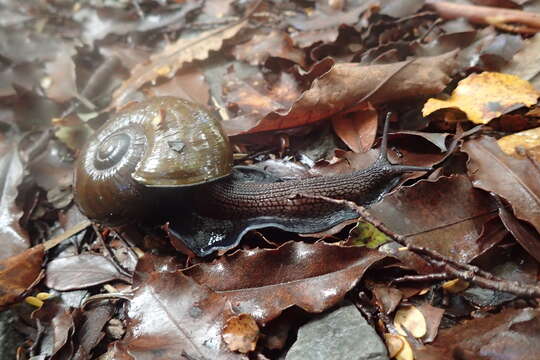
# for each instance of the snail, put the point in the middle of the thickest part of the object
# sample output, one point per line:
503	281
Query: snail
168	154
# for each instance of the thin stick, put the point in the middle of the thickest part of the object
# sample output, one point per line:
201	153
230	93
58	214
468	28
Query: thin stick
456	269
49	244
485	14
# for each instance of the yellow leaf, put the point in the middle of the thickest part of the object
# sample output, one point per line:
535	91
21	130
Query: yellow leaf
528	140
406	352
412	319
394	344
486	96
455	286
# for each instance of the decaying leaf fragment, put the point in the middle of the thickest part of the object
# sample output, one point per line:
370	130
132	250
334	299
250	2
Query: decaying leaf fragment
486	96
241	333
522	144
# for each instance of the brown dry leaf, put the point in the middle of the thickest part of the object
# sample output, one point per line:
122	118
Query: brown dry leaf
241	333
357	129
345	84
264	282
528	140
411	319
447	216
18	273
167	62
486	96
262	46
517	181
511	335
173	316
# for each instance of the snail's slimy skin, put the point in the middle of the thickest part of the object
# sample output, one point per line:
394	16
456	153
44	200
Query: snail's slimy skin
167	151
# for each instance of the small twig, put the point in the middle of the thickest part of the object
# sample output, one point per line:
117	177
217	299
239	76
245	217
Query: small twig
422	278
453	268
113	258
66	234
487	15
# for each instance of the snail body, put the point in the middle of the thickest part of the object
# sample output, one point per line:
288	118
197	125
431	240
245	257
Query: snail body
179	146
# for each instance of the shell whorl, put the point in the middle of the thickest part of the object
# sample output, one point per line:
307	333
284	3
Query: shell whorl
161	142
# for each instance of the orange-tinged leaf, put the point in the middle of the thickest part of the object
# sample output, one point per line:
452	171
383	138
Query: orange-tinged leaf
455	286
241	333
394	344
18	273
486	96
528	140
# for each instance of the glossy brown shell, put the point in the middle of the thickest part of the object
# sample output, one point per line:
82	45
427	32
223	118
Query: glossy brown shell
160	142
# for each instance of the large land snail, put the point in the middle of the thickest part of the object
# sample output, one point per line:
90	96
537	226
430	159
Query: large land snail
165	151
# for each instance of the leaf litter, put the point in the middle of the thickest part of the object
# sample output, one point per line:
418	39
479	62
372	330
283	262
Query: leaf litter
445	266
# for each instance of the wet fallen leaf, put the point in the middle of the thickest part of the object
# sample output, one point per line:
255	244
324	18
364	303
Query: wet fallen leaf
81	271
173	316
515	180
447	216
241	333
411	319
13	238
522	144
263	282
486	96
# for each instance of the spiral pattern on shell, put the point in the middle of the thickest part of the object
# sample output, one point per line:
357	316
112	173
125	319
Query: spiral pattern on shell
160	142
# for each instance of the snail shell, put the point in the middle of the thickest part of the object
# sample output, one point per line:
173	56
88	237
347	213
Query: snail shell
160	142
